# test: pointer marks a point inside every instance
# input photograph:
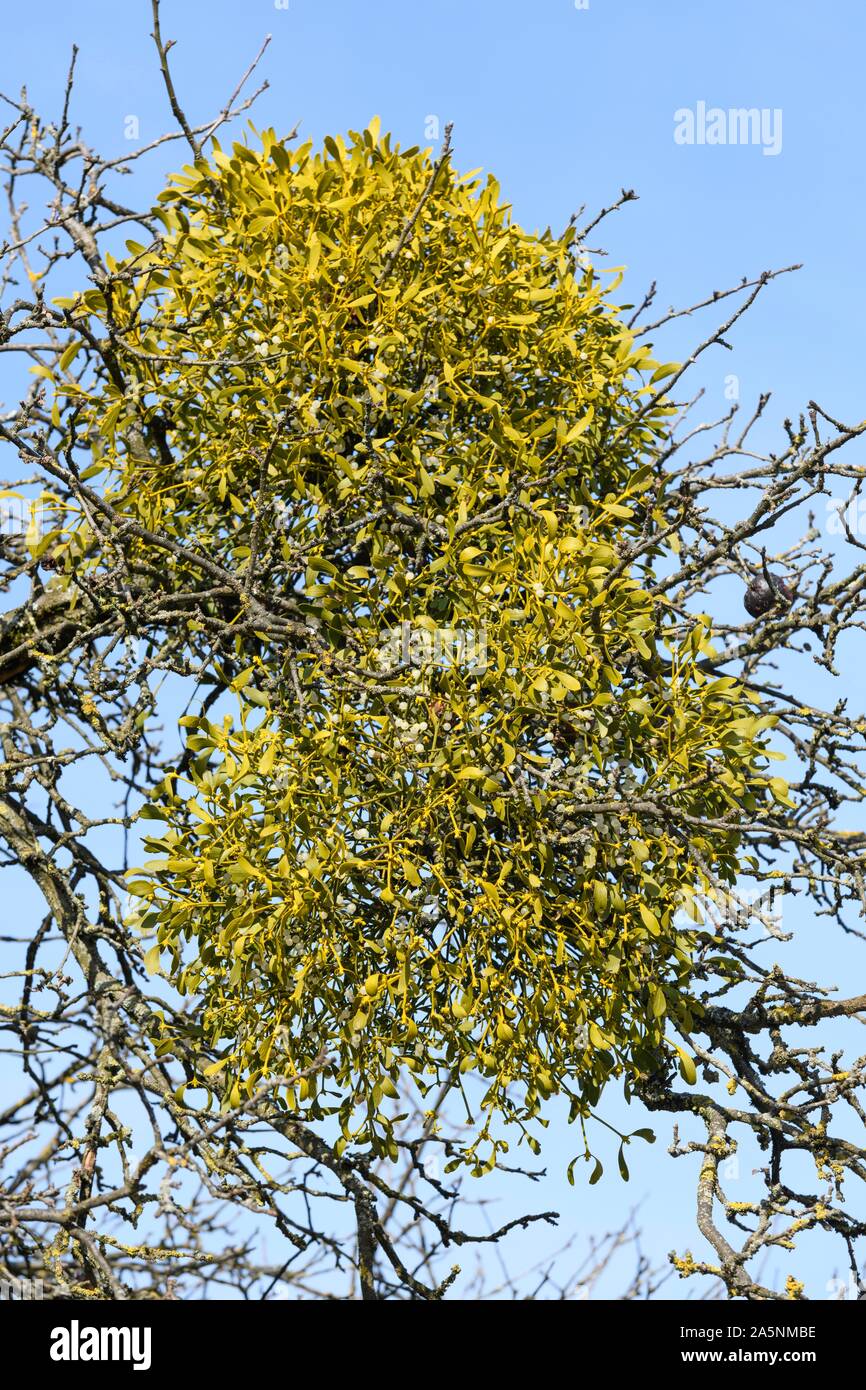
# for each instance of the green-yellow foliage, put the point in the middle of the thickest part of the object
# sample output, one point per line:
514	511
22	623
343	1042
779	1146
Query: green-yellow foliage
415	867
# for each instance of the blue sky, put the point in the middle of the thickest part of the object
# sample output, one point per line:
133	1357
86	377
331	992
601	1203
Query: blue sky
565	105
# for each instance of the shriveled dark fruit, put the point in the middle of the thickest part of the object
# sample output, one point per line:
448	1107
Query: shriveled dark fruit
759	598
564	735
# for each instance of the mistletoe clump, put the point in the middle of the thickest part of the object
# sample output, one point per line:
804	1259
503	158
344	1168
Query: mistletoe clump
475	773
